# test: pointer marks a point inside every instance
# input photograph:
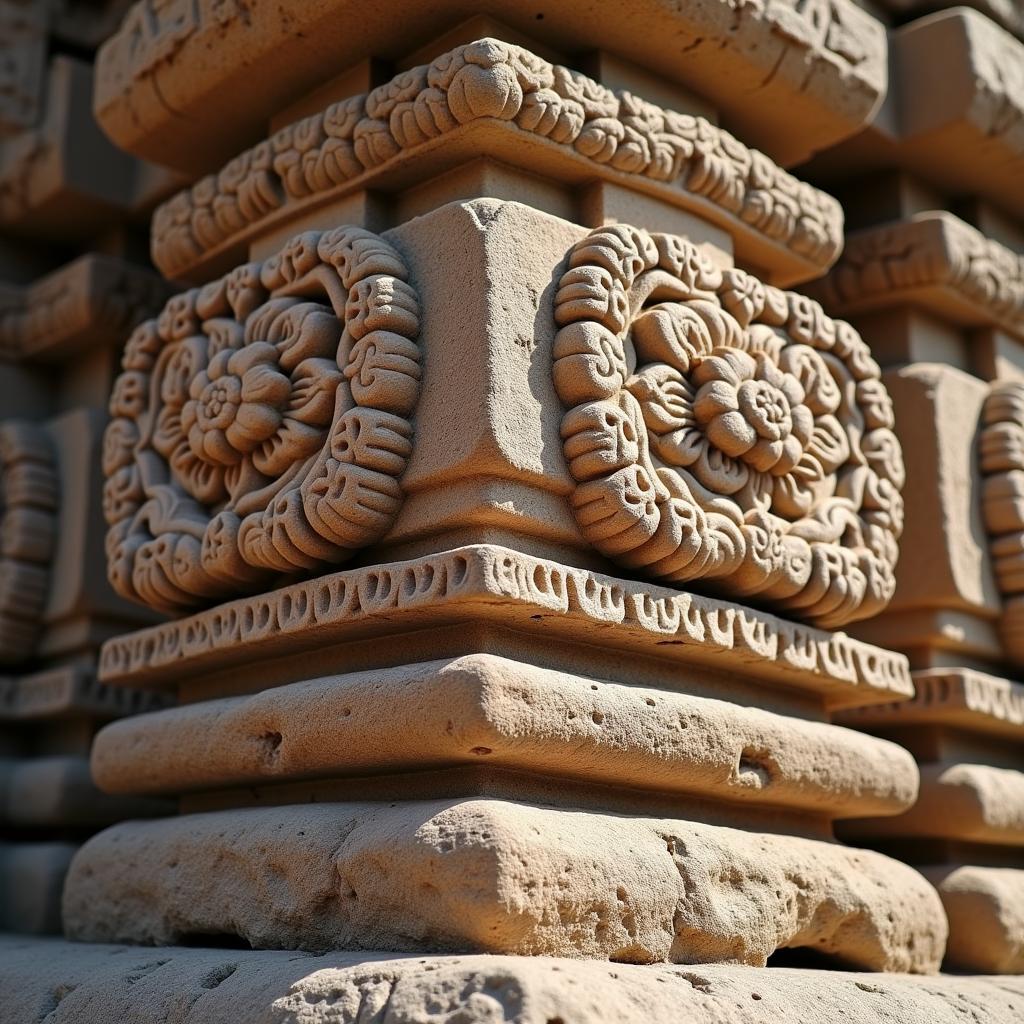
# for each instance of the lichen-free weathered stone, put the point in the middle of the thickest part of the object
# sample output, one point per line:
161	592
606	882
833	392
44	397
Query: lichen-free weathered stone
500	877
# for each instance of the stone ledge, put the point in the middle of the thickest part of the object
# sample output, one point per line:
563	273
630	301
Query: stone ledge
485	583
94	299
957	697
487	710
69	692
790	78
966	802
496	876
985	907
496	99
70	983
935	261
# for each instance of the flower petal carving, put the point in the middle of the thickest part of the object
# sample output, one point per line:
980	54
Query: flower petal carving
268	427
722	430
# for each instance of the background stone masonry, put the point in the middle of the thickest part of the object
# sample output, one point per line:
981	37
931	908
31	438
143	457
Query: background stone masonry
511	511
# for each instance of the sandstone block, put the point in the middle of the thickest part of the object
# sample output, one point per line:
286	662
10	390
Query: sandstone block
487	710
500	877
969	802
75	983
985	907
791	81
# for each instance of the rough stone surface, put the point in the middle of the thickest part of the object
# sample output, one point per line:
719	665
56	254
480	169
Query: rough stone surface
493	876
483	709
985	907
791	79
70	983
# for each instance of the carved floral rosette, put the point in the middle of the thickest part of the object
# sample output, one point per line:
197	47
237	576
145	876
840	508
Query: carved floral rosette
28	529
722	430
261	423
1001	454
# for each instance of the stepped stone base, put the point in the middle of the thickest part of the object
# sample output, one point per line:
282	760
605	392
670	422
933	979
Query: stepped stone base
68	983
500	877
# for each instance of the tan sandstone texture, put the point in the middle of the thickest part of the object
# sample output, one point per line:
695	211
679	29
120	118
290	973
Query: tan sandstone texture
519	601
72	983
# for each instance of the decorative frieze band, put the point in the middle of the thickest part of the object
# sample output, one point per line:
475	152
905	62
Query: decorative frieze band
932	260
353	141
723	430
485	583
28	527
69	691
955	697
94	296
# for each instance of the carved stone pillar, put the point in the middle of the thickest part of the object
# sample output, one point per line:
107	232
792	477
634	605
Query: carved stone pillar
509	520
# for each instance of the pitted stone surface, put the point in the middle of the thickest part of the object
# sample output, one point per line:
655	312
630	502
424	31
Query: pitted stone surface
484	709
72	983
493	876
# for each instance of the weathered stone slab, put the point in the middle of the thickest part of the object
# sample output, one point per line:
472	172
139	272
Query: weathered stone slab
485	583
791	80
484	709
1007	13
74	983
985	907
934	261
968	802
487	875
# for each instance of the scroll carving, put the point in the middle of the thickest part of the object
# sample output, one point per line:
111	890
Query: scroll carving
28	527
724	431
1001	451
490	79
261	423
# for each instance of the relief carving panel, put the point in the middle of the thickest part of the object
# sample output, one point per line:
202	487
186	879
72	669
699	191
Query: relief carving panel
722	430
261	423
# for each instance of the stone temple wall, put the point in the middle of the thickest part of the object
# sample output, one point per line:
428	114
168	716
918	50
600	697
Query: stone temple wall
511	512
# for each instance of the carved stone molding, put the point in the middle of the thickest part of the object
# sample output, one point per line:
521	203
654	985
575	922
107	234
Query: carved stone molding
261	423
28	507
1007	13
95	296
956	697
793	77
23	25
722	430
1001	449
483	583
69	691
506	89
934	260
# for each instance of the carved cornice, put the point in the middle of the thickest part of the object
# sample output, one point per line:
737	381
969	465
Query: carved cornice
485	583
70	692
955	697
507	89
936	261
1001	452
794	77
93	297
260	424
725	431
28	527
